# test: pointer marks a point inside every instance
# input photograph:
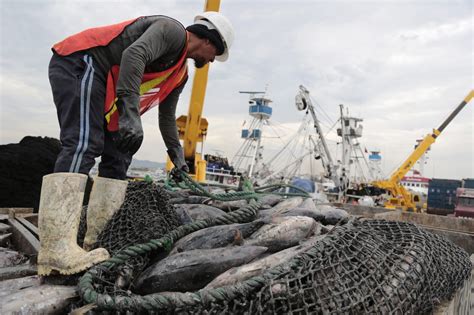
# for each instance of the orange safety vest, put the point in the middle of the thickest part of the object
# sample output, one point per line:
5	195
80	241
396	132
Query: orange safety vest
155	86
92	37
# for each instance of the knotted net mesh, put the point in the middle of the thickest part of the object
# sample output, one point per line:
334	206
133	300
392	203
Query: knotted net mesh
363	266
145	214
366	266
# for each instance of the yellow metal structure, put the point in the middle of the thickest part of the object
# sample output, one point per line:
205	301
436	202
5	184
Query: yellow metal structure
400	197
193	127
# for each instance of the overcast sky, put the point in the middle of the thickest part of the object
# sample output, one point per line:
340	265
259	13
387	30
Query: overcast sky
402	66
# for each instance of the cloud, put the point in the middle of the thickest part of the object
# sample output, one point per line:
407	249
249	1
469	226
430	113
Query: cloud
401	66
434	32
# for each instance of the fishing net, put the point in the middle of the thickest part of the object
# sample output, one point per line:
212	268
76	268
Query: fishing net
145	214
363	266
367	266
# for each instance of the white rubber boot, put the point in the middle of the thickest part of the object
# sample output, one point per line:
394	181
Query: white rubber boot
106	197
58	222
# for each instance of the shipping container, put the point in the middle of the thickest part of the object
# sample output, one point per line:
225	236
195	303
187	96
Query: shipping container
442	195
468	183
464	203
437	182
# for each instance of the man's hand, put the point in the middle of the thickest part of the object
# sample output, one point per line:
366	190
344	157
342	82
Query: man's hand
177	157
175	174
130	134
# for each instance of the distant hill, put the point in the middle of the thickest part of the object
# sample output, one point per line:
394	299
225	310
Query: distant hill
146	164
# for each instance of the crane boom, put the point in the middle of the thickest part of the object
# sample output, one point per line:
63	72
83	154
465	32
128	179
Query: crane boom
193	127
317	126
400	196
326	159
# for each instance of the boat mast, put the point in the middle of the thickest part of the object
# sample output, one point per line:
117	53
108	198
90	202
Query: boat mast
261	112
349	132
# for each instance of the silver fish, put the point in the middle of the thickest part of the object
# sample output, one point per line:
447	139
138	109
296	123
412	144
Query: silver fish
197	211
270	200
182	193
282	206
306	208
196	199
192	270
216	236
244	272
308	204
179	200
315	214
332	215
284	232
227	205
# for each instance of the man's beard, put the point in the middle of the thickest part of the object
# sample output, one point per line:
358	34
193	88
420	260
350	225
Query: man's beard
199	63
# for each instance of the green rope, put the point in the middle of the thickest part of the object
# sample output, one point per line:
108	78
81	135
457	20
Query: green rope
168	185
271	188
247	184
249	191
188	182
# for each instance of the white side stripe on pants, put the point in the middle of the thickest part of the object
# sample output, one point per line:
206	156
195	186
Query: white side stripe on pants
84	115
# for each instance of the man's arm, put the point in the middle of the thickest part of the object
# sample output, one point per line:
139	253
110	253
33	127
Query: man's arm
167	118
169	130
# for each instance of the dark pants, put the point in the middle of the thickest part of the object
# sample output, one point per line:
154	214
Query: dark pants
79	93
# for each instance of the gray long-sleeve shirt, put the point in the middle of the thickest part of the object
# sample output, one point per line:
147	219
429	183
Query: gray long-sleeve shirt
150	44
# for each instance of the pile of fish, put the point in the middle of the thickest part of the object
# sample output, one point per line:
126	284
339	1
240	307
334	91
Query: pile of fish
228	254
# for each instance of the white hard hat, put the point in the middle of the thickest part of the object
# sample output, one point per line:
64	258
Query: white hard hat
222	26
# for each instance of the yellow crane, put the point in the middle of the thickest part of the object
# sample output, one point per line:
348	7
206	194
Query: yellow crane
400	197
192	128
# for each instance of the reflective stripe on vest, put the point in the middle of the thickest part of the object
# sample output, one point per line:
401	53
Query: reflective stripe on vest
155	88
92	37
